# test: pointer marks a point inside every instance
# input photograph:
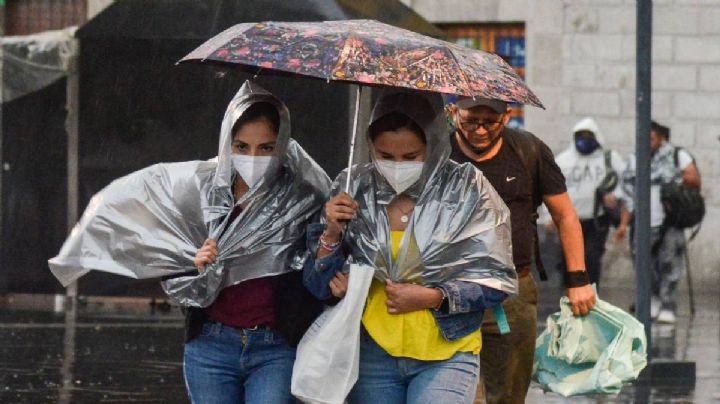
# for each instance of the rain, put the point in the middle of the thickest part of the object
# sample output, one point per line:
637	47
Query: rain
94	90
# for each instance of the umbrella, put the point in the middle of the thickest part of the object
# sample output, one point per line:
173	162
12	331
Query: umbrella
365	52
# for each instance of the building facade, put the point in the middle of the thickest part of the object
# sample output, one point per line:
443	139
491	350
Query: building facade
580	60
34	117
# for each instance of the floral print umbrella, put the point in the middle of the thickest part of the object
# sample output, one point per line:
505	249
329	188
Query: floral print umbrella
366	52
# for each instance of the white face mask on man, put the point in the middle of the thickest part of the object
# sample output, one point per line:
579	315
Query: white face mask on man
400	175
250	168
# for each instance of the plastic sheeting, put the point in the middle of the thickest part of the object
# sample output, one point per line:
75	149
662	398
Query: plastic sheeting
152	222
592	354
33	62
460	225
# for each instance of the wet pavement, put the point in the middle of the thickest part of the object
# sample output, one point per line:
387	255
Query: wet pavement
99	355
120	351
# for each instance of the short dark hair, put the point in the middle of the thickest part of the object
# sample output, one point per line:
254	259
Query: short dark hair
662	130
395	121
257	112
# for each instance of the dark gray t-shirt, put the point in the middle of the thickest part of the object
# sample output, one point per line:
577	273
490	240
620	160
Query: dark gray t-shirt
507	173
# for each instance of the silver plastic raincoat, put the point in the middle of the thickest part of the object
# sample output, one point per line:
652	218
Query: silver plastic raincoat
460	225
152	222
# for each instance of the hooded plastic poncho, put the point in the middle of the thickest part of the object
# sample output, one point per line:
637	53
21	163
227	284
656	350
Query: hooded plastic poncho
460	225
584	173
151	223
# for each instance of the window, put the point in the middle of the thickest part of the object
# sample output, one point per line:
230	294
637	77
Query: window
506	40
24	17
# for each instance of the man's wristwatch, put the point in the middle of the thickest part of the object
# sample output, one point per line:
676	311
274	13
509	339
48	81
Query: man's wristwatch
576	279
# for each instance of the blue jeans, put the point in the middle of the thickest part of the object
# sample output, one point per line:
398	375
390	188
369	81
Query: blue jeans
668	265
226	365
387	379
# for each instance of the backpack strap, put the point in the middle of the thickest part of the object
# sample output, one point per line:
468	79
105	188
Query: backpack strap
609	183
527	147
676	153
676	161
597	204
608	160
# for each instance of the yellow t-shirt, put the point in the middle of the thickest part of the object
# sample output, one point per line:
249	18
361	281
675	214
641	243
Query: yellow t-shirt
411	335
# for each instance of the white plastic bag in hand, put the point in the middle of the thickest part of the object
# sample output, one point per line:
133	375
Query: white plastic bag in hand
328	356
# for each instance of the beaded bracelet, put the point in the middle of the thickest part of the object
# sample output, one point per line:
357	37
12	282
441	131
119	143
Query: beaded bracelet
329	247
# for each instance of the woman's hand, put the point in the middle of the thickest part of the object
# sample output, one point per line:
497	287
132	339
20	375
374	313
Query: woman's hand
338	284
339	209
207	254
407	297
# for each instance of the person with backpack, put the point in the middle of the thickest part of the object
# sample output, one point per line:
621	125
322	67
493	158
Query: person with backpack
675	205
592	177
523	171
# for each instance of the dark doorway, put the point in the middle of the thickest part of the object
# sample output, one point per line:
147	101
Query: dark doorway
34	189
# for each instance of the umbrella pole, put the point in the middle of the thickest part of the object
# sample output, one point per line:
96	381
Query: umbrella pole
353	137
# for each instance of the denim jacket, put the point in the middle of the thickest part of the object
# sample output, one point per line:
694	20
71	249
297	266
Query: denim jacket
460	317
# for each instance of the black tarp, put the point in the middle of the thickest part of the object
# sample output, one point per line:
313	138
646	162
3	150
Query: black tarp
34	193
138	108
202	19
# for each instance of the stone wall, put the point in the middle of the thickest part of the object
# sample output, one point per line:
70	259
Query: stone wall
581	62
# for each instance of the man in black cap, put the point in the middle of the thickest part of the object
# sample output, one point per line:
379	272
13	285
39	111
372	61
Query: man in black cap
523	171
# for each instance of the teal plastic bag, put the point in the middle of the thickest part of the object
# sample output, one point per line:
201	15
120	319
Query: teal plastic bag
594	354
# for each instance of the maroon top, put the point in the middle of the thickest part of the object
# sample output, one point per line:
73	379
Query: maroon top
247	304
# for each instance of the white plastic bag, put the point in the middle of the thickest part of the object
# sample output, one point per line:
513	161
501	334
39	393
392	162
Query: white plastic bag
594	354
328	356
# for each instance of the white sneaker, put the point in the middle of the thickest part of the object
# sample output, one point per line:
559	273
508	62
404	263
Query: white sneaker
666	317
655	305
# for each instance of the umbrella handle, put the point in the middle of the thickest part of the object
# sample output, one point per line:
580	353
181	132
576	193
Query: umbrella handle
354	136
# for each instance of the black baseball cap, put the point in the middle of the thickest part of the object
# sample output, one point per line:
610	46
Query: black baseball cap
470	102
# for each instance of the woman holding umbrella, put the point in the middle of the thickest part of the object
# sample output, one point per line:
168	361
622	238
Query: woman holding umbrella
437	235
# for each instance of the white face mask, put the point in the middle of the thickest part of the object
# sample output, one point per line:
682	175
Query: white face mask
400	175
250	168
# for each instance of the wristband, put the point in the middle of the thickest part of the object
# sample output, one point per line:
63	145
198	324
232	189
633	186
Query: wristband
576	279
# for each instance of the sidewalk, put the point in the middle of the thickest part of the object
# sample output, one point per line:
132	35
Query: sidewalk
110	351
125	350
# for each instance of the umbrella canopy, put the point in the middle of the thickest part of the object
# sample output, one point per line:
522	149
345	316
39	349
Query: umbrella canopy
365	52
